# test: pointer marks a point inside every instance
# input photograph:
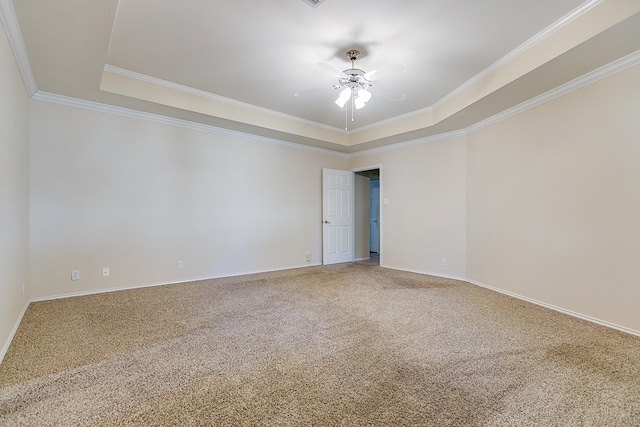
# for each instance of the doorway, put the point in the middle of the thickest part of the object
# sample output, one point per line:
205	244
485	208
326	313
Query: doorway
368	219
374	210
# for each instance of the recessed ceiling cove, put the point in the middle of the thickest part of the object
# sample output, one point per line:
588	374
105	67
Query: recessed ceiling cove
240	64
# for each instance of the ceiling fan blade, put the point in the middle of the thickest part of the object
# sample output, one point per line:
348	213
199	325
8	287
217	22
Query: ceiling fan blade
310	91
331	69
390	96
385	71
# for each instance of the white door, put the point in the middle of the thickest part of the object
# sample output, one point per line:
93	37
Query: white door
374	223
338	219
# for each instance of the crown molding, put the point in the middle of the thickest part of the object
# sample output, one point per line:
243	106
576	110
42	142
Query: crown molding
565	20
157	118
394	119
621	64
12	28
614	67
411	143
201	93
495	67
573	85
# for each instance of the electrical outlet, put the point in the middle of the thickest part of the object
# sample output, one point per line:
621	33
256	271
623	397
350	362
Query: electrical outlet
23	289
180	265
75	275
444	262
308	256
105	272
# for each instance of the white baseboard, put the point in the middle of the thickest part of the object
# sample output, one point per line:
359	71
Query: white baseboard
174	282
5	348
6	345
428	273
558	309
527	299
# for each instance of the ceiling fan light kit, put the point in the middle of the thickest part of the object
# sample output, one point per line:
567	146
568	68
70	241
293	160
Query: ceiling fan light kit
355	83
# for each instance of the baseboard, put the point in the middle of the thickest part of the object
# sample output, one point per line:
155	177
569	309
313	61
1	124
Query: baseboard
7	343
558	309
175	282
193	279
527	299
428	273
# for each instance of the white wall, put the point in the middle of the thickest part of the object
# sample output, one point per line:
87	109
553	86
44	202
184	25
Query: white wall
554	202
425	219
14	191
137	196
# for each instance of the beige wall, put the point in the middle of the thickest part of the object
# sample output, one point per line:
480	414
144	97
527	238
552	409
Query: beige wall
138	196
544	205
425	219
554	202
14	193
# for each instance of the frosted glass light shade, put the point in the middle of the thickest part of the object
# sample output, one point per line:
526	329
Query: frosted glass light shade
343	98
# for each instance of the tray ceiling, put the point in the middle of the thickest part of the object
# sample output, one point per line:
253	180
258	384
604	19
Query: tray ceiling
238	65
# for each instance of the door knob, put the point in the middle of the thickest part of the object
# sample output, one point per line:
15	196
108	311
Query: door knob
326	222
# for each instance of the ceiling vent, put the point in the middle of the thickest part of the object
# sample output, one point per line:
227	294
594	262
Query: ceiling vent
313	3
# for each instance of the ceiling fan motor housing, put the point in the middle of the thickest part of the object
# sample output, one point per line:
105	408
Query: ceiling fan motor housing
355	79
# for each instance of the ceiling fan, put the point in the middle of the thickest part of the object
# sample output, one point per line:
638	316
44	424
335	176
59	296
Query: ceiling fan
355	83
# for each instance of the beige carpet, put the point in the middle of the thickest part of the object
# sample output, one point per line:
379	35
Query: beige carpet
345	345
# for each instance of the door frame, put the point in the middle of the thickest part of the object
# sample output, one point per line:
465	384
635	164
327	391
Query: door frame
374	189
380	203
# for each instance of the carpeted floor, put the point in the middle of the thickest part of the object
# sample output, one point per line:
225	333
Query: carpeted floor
348	344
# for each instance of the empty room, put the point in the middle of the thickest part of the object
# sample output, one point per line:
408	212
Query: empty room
320	212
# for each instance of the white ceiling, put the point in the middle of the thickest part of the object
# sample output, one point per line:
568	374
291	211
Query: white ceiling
245	60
